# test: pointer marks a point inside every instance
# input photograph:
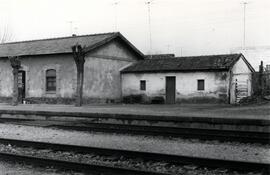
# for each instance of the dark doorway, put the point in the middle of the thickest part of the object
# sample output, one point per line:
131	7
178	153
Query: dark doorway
170	90
21	85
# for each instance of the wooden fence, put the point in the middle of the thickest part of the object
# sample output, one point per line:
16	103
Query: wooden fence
261	83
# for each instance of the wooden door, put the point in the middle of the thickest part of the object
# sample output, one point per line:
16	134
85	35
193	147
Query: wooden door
21	86
170	90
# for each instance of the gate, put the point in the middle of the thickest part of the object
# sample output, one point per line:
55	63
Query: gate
241	87
241	90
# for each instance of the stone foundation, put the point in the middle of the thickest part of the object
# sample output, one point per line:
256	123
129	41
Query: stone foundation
59	100
5	99
201	100
143	99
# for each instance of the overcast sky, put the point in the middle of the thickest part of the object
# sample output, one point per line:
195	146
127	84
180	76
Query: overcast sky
197	27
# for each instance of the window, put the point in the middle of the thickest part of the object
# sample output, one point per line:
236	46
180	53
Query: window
200	85
143	85
51	80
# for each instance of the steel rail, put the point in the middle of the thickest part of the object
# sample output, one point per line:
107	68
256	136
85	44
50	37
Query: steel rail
69	165
197	133
204	134
178	159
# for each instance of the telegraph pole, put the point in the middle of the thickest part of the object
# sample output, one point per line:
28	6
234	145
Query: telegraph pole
244	23
168	48
148	3
71	27
115	4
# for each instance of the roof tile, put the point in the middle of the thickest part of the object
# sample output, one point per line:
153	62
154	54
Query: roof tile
194	63
51	46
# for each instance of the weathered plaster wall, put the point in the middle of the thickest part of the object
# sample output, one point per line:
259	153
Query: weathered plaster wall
186	85
35	68
115	50
242	73
102	78
102	70
36	75
6	78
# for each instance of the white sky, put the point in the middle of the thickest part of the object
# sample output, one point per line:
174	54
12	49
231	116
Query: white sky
199	27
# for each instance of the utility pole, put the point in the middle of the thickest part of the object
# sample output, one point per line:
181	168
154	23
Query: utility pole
148	3
75	31
71	27
168	48
115	4
244	23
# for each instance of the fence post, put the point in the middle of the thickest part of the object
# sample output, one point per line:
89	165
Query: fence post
261	79
235	91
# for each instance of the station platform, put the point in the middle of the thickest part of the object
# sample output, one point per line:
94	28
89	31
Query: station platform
258	112
258	115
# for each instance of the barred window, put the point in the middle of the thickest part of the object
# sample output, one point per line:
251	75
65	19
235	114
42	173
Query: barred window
143	85
200	85
51	80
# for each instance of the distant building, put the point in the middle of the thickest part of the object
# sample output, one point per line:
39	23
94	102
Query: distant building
158	56
214	78
255	55
48	73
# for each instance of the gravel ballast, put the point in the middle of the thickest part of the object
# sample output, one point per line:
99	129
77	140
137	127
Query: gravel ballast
119	161
8	168
229	151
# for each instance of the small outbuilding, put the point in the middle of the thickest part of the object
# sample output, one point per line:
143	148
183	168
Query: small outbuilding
212	78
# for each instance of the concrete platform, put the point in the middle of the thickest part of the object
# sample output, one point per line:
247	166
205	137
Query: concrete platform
225	117
261	112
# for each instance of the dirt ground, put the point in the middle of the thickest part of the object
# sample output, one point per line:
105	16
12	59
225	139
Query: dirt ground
261	111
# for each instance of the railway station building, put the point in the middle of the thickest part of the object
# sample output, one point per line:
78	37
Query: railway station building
48	71
115	71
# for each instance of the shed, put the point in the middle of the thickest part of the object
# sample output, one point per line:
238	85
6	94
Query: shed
211	78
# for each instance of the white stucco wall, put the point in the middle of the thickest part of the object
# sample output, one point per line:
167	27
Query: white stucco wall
186	84
6	78
241	73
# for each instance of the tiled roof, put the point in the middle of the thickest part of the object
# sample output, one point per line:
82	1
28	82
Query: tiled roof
59	45
158	56
194	63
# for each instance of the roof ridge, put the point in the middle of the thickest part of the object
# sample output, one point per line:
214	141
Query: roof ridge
196	56
57	38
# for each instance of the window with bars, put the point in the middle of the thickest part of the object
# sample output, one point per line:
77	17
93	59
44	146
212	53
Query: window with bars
142	85
51	80
200	85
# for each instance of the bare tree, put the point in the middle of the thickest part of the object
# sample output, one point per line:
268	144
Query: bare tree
5	34
79	55
16	65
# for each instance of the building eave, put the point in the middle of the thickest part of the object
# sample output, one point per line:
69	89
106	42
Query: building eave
175	71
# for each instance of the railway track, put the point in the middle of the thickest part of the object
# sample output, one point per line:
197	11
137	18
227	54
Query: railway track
197	133
146	156
203	134
75	166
